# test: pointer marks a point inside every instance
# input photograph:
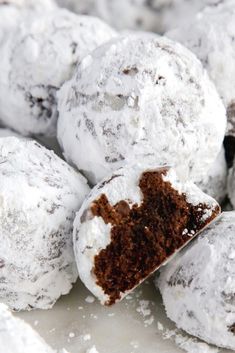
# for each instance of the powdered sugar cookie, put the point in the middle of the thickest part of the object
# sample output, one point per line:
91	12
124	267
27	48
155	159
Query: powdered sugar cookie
198	285
131	223
37	58
39	195
140	97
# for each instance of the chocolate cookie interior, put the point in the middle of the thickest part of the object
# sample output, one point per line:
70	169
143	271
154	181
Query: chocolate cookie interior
144	236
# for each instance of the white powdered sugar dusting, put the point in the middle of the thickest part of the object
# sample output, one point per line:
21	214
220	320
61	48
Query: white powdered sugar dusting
210	35
39	195
198	285
37	57
140	97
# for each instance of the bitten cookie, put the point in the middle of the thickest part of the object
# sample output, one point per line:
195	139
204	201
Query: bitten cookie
140	97
36	59
198	285
132	223
39	196
18	337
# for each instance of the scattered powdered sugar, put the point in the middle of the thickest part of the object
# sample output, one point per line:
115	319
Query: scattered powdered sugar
87	337
92	350
185	342
189	344
134	344
111	314
90	299
143	309
160	326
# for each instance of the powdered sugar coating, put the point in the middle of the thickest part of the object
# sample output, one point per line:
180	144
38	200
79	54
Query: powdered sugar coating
215	182
177	13
38	57
140	96
150	15
11	12
39	5
18	337
210	35
123	14
198	285
92	234
39	195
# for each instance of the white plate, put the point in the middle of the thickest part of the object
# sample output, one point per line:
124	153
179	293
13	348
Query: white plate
132	326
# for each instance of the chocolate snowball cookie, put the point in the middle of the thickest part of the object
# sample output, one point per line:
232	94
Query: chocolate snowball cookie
198	285
150	15
215	182
37	58
11	12
18	337
131	223
121	14
39	196
140	97
210	35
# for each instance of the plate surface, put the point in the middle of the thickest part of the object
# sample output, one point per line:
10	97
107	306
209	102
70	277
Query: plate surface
138	324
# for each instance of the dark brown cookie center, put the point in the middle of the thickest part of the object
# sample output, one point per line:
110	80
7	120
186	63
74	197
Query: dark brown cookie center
144	236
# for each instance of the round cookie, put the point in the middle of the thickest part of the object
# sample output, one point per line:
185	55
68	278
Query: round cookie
18	337
210	35
215	182
198	285
128	14
39	195
149	15
177	13
11	12
140	97
38	57
133	222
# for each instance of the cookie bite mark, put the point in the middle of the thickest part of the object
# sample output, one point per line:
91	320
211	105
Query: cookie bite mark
144	236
